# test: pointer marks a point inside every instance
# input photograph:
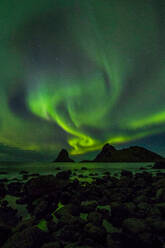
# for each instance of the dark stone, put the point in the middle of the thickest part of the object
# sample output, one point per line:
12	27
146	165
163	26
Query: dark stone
63	157
9	216
88	206
41	209
98	234
126	173
64	174
2	190
159	165
134	225
31	237
37	187
14	189
52	245
95	218
23	172
111	243
5	233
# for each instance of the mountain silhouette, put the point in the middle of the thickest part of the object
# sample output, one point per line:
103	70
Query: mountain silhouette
63	156
131	154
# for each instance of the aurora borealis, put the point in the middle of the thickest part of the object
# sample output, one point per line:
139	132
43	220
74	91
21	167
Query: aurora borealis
78	74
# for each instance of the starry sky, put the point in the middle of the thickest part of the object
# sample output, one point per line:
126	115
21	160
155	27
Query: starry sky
77	74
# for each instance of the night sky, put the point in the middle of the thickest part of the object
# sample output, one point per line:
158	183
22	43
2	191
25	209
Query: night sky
77	74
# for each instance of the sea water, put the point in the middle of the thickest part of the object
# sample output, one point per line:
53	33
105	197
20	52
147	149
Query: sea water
11	170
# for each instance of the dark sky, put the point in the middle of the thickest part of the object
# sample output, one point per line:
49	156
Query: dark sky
77	74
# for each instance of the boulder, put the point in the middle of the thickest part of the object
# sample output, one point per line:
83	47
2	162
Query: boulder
5	233
134	225
37	187
31	237
159	165
52	245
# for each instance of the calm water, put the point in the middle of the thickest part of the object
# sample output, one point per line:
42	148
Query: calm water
13	169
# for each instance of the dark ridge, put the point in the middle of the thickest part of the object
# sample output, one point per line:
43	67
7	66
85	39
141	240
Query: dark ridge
131	154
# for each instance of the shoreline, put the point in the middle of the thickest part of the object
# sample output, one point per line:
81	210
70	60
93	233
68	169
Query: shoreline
128	210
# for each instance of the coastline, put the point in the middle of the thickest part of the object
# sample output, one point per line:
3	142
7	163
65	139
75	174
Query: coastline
110	211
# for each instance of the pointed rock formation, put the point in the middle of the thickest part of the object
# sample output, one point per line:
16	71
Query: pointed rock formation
63	156
106	154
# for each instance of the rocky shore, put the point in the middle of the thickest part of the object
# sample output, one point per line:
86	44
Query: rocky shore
109	212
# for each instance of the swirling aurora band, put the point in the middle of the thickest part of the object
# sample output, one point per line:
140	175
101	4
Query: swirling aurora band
79	74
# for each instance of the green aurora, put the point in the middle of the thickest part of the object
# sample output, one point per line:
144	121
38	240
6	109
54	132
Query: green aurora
79	74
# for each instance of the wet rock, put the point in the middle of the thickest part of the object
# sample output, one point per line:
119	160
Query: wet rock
31	237
95	218
126	173
4	203
118	213
42	185
160	183
41	208
160	195
96	233
70	209
130	208
52	225
145	239
34	175
68	233
23	172
9	216
64	175
24	224
2	190
5	233
110	228
143	209
88	206
14	189
3	173
157	225
134	225
65	197
111	243
159	165
154	212
76	245
105	210
52	245
161	207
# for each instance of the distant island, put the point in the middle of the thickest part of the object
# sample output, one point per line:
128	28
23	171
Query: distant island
132	154
63	156
110	154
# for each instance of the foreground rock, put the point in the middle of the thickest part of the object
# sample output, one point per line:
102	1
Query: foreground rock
109	212
31	237
63	157
159	165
